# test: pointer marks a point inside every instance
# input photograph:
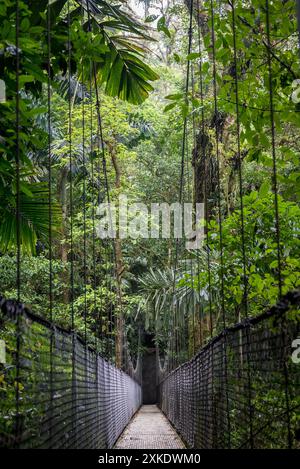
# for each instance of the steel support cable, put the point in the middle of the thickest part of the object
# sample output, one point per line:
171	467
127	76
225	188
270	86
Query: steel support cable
162	370
217	135
101	152
70	130
100	136
95	187
191	377
190	199
100	148
104	323
83	122
254	108
92	186
84	217
184	316
71	299
277	220
17	154
110	320
205	177
273	143
108	283
18	227
242	221
240	176
181	178
49	129
215	104
211	401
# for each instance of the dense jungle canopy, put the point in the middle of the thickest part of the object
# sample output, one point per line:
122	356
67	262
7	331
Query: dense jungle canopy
157	79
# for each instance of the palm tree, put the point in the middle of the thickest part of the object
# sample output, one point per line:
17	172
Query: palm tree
115	36
166	291
106	37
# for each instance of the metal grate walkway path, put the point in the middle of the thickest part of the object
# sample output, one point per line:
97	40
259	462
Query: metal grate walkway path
149	429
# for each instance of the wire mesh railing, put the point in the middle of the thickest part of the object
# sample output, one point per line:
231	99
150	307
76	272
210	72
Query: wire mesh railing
68	395
242	390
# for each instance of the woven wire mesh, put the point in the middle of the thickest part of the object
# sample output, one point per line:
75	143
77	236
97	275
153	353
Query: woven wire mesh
242	390
69	396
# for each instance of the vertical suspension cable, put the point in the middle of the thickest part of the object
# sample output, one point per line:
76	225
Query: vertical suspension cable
183	149
190	200
277	221
18	222
204	143
86	351
70	170
206	209
49	122
101	139
95	177
242	221
191	259
18	201
93	200
239	159
192	195
217	136
84	212
107	323
273	144
111	315
74	339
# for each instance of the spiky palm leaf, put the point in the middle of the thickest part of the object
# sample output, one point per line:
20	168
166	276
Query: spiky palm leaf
34	218
157	287
119	60
161	294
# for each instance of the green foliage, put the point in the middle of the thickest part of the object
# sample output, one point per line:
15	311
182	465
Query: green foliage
255	152
146	141
261	257
161	26
34	217
119	65
34	282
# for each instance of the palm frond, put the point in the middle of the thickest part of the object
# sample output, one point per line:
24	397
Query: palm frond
119	58
161	296
71	88
34	218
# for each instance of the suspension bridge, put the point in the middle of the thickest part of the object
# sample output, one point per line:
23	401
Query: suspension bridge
239	390
74	398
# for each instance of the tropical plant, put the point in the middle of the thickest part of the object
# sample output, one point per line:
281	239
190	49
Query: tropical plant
97	32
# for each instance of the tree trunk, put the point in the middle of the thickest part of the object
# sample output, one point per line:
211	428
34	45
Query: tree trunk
201	15
204	166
